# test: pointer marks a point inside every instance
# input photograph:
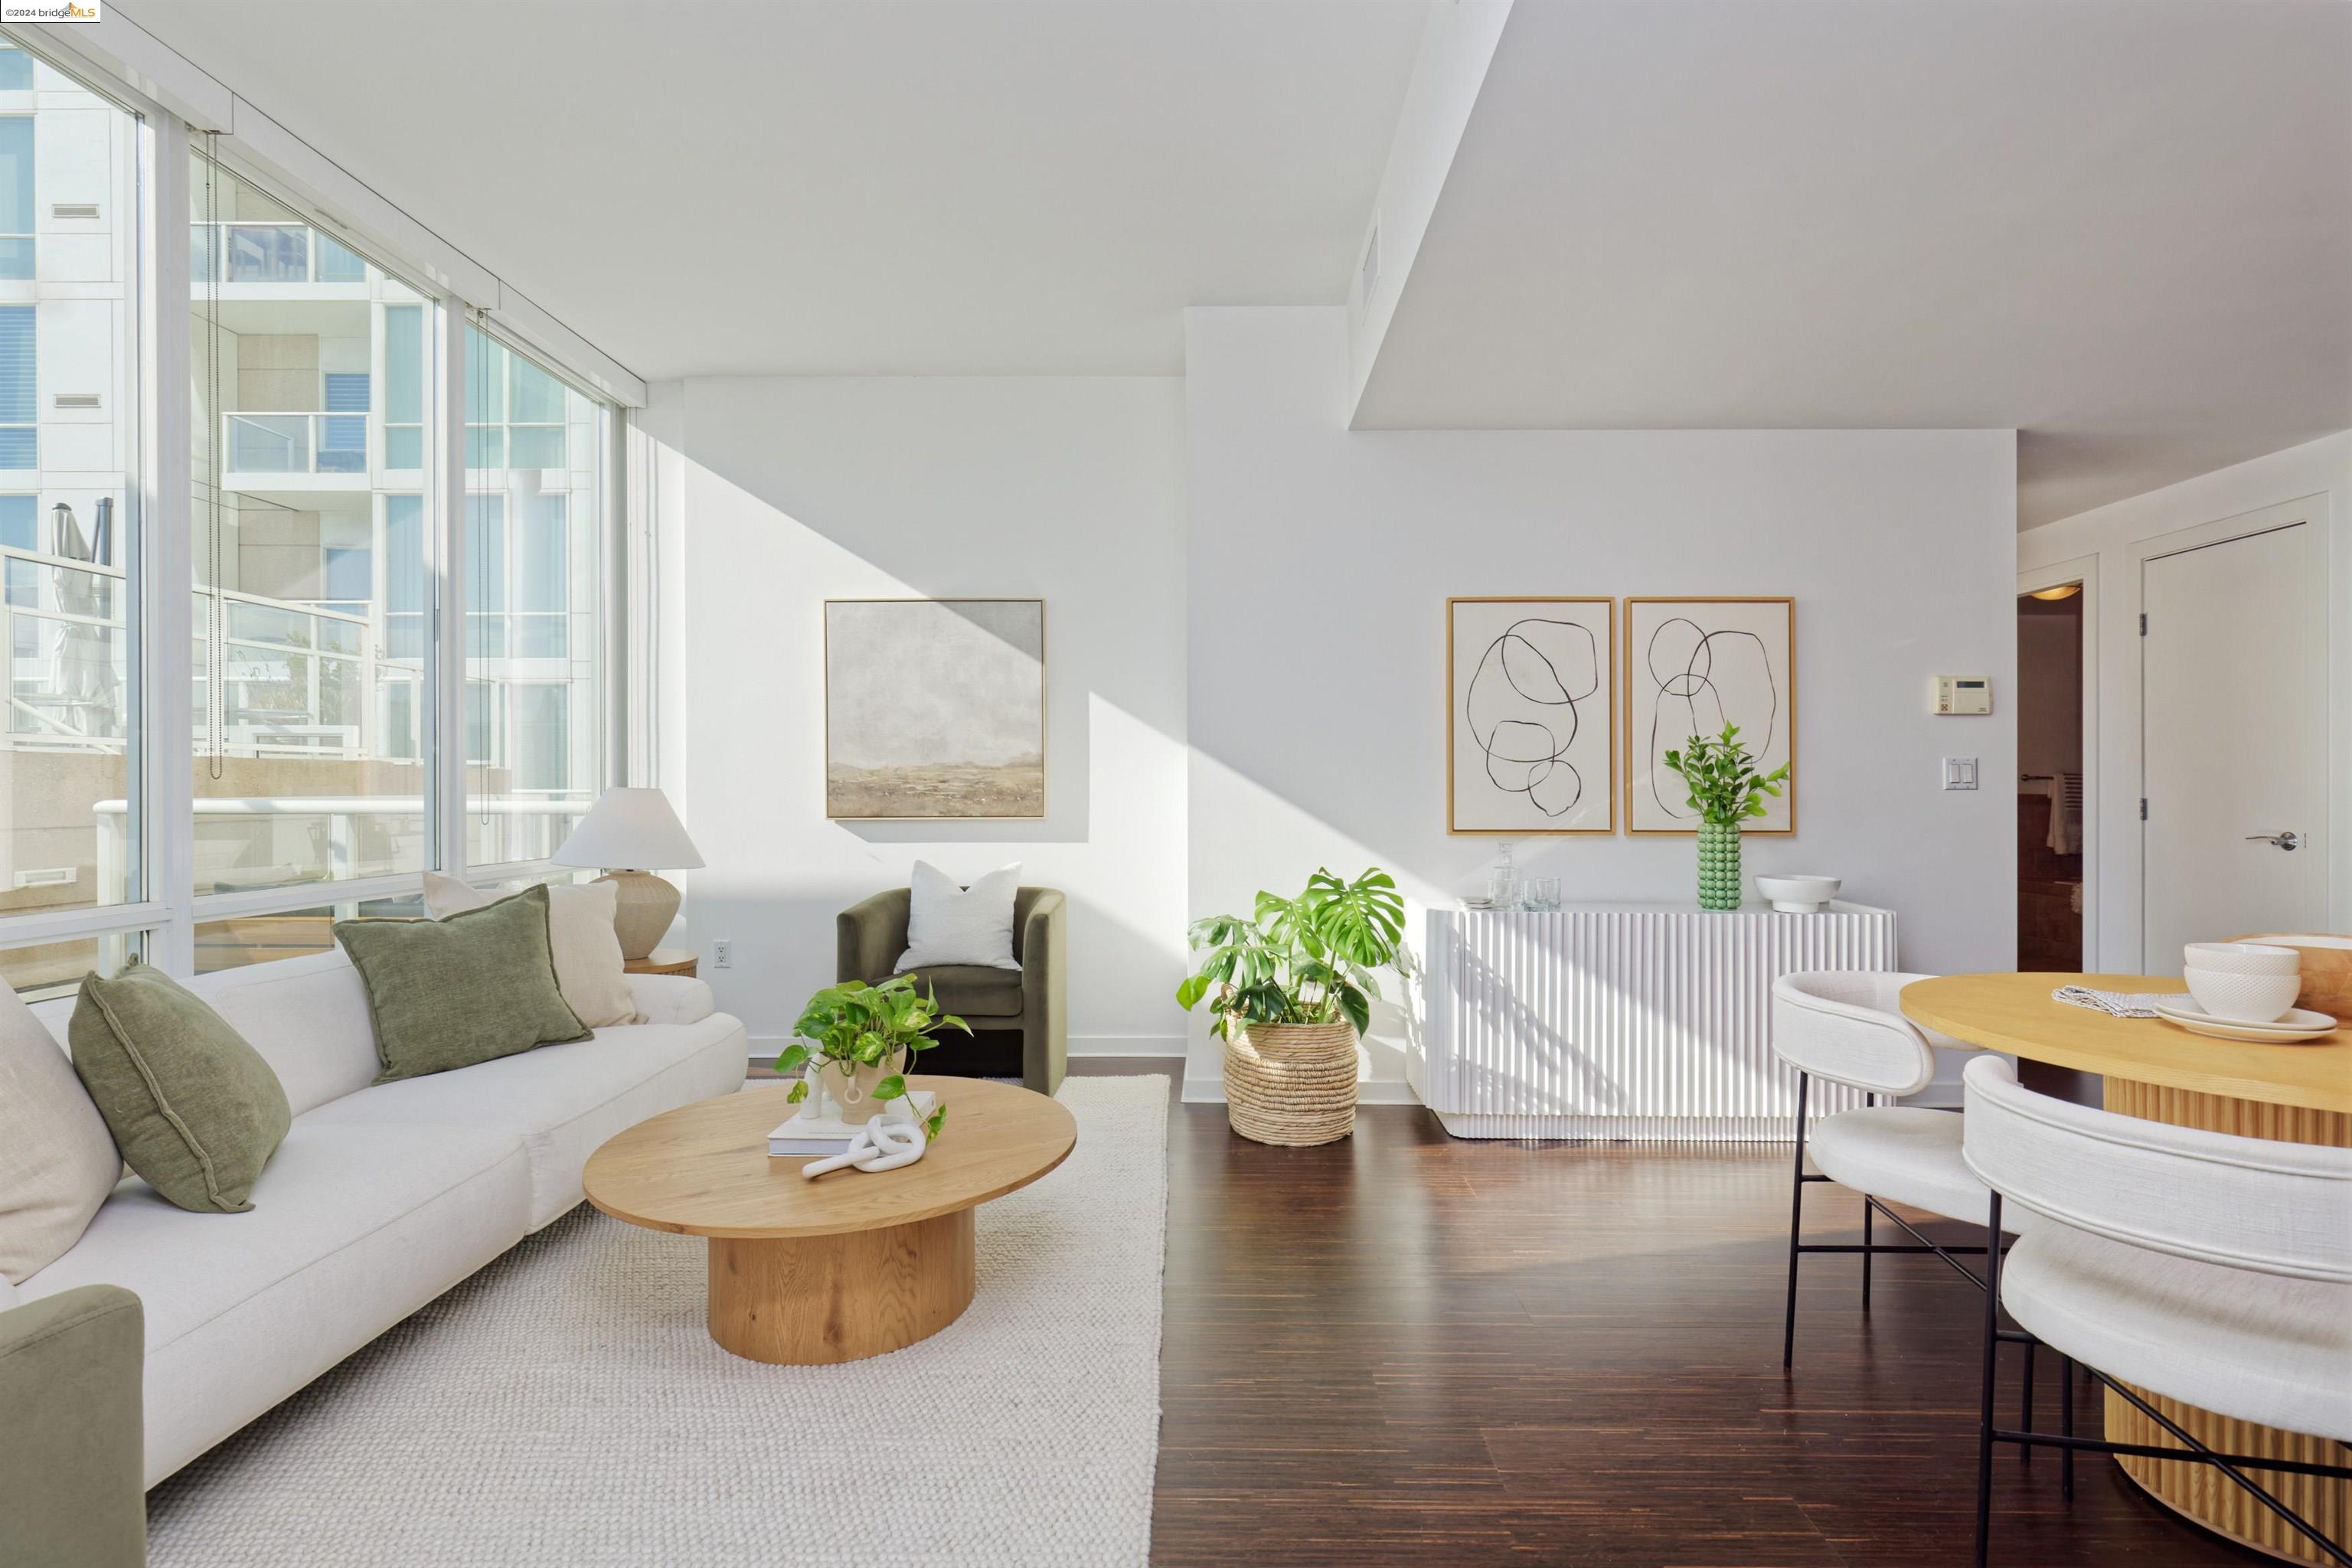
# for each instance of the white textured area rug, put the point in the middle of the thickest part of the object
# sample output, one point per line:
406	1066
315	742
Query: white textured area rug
567	1407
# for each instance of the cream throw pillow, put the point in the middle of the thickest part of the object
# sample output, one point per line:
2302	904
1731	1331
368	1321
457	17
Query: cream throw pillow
57	1160
579	929
948	924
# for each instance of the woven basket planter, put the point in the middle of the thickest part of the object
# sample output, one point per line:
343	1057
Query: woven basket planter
1292	1083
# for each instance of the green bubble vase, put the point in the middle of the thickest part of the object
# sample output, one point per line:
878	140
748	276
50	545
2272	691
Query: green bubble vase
1718	866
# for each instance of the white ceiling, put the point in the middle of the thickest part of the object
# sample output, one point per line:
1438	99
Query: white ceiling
945	186
2123	227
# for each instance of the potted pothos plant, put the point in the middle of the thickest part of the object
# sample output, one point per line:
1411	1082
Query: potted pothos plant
1290	988
1725	790
854	1042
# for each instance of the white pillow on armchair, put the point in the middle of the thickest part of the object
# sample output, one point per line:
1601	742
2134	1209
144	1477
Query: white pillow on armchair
588	968
949	924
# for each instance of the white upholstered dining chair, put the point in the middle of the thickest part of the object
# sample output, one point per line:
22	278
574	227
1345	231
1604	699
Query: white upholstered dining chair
1843	1027
2197	1266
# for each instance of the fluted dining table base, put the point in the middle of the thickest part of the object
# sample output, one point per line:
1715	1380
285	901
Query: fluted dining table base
2199	1492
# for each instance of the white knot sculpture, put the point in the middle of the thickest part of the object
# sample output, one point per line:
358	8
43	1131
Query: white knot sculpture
884	1143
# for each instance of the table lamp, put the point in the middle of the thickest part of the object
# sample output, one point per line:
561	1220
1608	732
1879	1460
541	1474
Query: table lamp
625	832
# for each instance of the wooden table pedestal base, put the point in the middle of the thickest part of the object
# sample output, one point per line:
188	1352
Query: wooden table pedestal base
822	1298
2200	1492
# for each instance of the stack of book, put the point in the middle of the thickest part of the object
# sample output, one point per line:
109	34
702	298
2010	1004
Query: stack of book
807	1136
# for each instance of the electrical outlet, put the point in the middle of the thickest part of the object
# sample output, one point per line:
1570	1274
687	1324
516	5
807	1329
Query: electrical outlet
1959	772
722	953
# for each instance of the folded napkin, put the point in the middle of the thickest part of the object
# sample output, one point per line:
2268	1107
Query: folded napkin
2122	1004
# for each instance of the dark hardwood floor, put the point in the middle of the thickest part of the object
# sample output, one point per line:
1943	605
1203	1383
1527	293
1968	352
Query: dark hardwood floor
1403	1348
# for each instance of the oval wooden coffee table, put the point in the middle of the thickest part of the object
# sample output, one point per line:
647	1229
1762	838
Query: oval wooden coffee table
847	1266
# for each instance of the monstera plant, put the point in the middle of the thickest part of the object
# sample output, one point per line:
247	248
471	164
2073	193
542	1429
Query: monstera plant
1290	988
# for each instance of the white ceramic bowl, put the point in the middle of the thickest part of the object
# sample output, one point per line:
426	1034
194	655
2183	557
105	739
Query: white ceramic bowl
2255	998
2241	958
1800	895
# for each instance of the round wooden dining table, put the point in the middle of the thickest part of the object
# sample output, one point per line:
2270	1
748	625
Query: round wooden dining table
2297	1093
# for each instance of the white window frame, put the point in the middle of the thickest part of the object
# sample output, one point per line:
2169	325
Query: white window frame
174	103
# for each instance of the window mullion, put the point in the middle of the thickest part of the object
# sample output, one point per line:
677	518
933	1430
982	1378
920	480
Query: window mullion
446	649
165	535
616	622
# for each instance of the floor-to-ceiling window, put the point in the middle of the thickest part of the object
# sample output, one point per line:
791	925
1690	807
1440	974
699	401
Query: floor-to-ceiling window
312	509
346	699
534	563
70	791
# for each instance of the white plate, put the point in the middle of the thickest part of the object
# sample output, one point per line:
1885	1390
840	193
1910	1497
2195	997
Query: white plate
2293	1021
2300	1023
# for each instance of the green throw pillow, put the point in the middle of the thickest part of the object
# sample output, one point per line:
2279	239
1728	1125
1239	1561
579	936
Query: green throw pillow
192	1107
451	993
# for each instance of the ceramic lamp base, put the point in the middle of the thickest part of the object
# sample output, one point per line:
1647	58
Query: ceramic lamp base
647	905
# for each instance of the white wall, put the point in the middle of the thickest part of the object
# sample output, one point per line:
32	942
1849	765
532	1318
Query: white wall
2105	547
1319	560
779	493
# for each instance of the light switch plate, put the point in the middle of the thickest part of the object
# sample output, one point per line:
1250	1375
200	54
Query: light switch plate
1959	772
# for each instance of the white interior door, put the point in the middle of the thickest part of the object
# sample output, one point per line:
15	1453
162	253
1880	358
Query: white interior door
2233	662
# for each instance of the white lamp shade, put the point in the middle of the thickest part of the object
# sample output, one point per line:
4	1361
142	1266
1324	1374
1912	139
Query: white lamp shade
630	829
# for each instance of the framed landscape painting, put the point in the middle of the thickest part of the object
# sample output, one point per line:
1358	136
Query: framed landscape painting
934	708
1692	666
1531	727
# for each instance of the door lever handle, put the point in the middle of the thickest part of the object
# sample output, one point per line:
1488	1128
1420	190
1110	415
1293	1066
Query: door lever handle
2286	840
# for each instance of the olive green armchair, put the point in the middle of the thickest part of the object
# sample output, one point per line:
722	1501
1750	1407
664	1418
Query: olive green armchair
72	1431
1030	1002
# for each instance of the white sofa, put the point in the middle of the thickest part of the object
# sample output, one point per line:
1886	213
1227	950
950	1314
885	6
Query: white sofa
382	1197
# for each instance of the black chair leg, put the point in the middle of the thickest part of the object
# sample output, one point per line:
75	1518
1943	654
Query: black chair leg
1796	1224
2025	1408
1868	1210
1984	1402
2066	1425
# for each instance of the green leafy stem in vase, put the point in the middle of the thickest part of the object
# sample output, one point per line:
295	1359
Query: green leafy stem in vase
1307	959
1723	784
857	1025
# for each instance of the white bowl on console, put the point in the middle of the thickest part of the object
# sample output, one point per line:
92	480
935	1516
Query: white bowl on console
2246	998
2241	958
1800	895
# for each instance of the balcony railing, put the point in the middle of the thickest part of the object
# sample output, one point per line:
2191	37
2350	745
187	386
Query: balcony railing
310	443
271	253
344	836
294	443
61	623
299	680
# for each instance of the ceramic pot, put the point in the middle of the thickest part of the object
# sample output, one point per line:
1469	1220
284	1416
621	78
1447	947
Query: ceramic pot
1718	866
852	1084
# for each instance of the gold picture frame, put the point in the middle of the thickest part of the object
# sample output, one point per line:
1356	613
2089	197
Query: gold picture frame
1700	687
1555	765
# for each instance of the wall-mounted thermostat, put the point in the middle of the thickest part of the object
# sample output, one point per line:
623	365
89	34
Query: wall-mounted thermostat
1962	694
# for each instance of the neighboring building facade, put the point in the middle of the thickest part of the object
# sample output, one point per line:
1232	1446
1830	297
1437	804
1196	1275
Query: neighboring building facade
312	523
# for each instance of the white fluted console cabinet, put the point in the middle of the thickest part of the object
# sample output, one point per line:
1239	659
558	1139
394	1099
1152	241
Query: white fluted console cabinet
1649	1021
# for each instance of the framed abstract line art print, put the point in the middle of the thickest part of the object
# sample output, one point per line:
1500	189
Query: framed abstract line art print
1692	666
1530	737
934	708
